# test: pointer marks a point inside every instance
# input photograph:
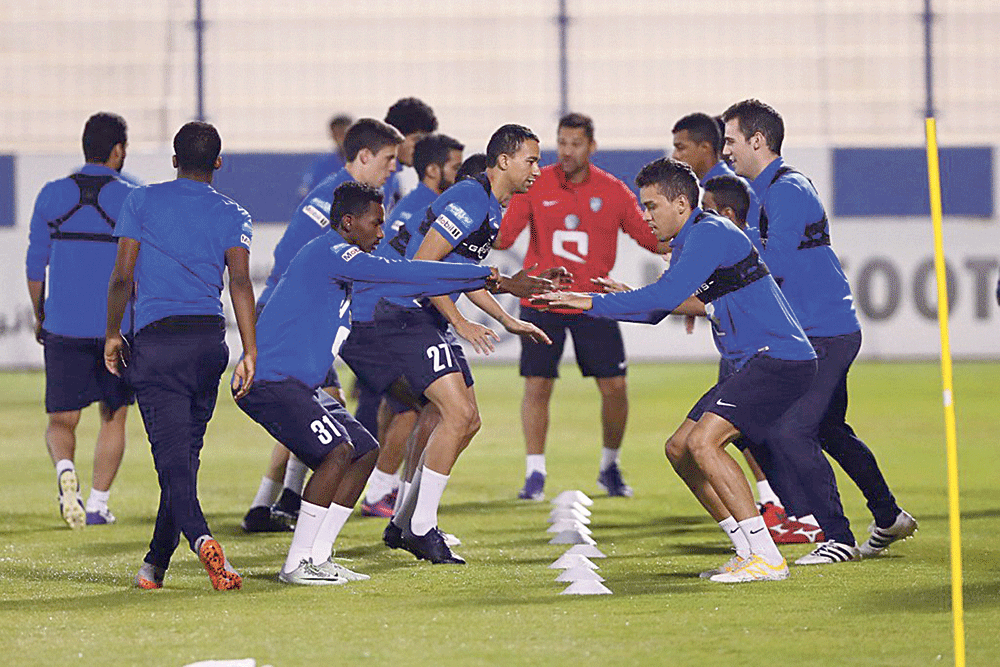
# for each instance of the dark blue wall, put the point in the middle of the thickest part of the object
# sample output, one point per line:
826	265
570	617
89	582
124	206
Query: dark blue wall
7	191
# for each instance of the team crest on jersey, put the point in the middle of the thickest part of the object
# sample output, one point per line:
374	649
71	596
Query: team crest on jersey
316	215
572	221
350	253
459	213
245	240
449	226
595	204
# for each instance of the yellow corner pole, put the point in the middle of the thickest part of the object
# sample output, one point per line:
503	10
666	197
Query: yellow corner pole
934	181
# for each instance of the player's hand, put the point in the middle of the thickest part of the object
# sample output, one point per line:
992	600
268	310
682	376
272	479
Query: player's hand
243	376
493	280
559	275
527	330
113	347
39	334
562	300
689	323
478	335
523	285
609	285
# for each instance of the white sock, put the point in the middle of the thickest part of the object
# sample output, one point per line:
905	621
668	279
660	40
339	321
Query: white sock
609	457
760	540
97	500
739	540
306	528
765	494
431	489
267	492
295	474
535	463
810	519
336	517
379	485
62	465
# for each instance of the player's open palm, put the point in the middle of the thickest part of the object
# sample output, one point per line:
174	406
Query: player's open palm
478	335
527	330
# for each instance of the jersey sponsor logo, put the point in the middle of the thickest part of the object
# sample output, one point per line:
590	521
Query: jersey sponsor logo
245	240
396	226
595	204
459	214
549	202
350	253
316	215
445	223
562	238
572	221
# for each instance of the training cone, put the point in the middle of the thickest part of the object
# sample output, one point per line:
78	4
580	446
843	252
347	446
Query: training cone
561	526
588	550
587	588
568	561
567	515
579	574
567	498
572	537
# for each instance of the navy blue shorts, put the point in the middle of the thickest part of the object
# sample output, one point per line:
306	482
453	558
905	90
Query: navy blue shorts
600	350
367	357
757	395
310	423
418	342
75	376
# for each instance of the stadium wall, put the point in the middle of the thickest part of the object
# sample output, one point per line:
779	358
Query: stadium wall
880	228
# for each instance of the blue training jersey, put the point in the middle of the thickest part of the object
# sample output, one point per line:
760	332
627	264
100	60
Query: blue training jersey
79	251
400	226
791	230
184	228
467	215
324	166
308	317
311	219
753	318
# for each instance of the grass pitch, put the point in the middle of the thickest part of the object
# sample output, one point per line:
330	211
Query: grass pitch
65	597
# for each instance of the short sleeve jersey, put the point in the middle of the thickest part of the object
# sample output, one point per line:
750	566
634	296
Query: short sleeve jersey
311	219
184	229
467	216
79	252
575	225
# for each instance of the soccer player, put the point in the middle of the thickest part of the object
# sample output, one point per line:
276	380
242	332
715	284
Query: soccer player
175	239
574	212
370	148
436	158
415	120
793	234
460	226
717	263
71	235
730	196
333	161
698	143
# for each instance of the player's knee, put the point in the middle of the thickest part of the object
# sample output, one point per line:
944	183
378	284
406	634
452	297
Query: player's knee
675	448
64	420
463	417
614	387
341	454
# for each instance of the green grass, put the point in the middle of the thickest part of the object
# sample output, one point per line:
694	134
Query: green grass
65	596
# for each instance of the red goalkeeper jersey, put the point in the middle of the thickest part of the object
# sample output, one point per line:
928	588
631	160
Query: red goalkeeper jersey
575	224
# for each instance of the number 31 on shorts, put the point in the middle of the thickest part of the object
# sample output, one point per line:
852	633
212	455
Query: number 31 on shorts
322	430
436	352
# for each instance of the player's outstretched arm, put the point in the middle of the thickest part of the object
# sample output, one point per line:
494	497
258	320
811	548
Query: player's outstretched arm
241	293
610	286
119	291
521	284
575	300
486	303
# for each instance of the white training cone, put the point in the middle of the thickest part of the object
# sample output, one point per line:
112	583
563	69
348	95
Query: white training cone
579	574
567	498
567	561
587	588
588	550
572	537
560	526
567	515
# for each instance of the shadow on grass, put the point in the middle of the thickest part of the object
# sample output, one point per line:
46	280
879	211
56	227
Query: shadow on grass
929	599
